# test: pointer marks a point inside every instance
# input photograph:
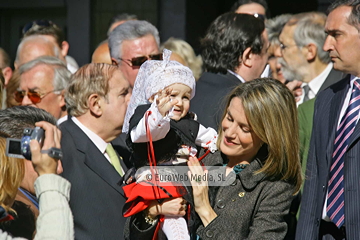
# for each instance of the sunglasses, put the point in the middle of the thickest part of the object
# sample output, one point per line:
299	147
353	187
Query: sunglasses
36	23
35	97
138	61
259	16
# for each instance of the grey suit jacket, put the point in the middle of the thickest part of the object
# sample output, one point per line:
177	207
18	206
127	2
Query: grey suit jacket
253	207
327	110
96	196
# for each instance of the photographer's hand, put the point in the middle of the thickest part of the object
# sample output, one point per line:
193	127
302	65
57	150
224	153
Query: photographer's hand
42	162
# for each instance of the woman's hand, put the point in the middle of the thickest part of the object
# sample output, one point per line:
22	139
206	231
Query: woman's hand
42	162
174	207
200	191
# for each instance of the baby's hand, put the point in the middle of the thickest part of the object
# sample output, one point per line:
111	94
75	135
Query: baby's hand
164	101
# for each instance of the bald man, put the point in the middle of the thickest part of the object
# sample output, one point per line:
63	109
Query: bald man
36	46
102	54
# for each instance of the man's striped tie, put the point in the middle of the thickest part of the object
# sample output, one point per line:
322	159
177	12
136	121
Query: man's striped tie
335	201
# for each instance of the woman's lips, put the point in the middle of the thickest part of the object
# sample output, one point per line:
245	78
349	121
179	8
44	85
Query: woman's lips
227	141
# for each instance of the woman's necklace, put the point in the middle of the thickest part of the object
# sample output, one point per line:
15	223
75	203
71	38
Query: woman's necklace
239	167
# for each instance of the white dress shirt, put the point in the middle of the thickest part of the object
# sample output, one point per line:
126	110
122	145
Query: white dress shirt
98	141
61	120
315	84
237	75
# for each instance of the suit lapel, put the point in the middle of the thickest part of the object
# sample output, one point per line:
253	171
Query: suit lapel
333	77
336	103
94	159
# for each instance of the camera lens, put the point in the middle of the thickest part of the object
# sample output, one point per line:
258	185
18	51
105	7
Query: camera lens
27	131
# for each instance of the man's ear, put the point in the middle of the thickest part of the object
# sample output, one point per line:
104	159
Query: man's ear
247	57
114	62
62	99
7	72
95	104
310	51
64	48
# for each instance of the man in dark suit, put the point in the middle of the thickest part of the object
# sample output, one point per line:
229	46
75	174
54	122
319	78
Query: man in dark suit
96	101
234	51
322	216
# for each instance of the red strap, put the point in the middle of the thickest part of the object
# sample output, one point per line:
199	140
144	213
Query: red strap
202	157
161	220
205	154
151	154
7	218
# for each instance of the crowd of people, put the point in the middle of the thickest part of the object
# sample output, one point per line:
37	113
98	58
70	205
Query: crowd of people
271	105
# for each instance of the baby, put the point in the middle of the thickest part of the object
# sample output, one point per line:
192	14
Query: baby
160	103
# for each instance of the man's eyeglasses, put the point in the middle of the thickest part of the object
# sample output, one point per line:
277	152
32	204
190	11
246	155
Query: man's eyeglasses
37	23
283	47
35	97
138	61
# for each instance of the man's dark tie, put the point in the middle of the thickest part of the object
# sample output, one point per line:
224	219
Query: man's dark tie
335	201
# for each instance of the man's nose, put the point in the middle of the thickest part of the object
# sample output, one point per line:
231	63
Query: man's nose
327	44
26	101
277	52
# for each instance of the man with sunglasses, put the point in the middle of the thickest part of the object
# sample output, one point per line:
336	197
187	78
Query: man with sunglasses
257	8
42	84
131	44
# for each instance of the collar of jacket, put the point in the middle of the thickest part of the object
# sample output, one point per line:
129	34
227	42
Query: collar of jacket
248	177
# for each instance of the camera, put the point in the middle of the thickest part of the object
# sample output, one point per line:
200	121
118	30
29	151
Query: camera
20	148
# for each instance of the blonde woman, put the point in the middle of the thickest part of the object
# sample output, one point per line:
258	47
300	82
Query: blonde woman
258	142
12	173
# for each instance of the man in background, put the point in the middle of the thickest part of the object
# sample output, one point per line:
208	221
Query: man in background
234	51
131	44
53	33
42	84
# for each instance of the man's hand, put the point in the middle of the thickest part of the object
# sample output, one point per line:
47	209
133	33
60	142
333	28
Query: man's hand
42	162
295	87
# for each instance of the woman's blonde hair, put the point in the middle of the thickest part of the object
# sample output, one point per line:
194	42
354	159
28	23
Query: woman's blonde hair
11	174
272	114
186	52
